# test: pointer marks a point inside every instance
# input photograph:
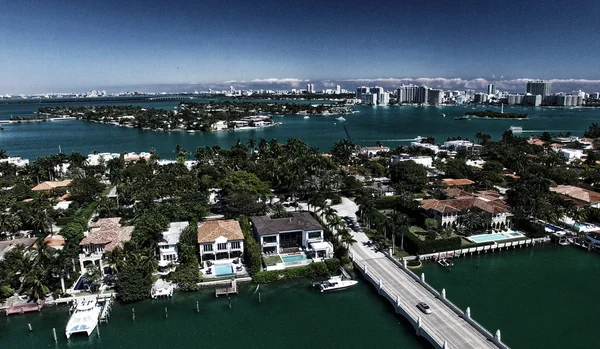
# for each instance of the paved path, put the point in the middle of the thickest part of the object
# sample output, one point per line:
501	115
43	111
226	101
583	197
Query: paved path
443	324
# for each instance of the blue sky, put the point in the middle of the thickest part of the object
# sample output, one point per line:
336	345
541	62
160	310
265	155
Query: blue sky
72	46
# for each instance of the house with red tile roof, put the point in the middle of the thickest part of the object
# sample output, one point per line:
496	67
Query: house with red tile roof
580	196
448	212
451	182
104	236
51	185
220	239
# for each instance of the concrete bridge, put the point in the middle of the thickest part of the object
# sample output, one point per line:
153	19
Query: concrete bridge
446	327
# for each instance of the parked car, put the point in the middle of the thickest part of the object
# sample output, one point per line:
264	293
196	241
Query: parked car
424	307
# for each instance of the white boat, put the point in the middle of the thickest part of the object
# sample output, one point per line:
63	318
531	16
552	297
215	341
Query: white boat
444	115
336	283
445	262
84	318
307	117
341	118
516	129
418	138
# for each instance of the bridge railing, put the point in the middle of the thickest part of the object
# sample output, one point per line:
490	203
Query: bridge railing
480	328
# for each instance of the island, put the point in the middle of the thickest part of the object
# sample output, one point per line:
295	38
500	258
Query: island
490	114
193	116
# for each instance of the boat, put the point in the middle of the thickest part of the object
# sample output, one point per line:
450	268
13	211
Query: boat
84	318
444	115
445	262
341	118
462	118
307	117
561	238
335	283
418	138
516	129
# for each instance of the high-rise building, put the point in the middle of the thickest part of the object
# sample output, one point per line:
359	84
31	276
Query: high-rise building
514	99
361	90
595	95
384	98
338	89
491	89
376	90
436	97
480	97
412	94
539	87
369	98
532	100
310	88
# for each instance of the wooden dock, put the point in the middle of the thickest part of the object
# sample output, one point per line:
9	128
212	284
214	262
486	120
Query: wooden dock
25	308
232	288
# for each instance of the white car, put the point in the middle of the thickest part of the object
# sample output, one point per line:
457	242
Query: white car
424	307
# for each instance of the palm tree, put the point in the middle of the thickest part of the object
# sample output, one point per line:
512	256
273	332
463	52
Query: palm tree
400	223
278	210
34	286
115	259
347	238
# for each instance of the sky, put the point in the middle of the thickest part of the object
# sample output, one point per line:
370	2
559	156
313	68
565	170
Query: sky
64	46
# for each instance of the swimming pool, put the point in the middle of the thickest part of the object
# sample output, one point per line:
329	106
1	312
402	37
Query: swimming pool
495	237
297	258
223	269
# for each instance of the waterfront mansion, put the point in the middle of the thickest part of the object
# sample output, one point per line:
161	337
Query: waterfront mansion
104	236
447	212
168	250
221	239
298	232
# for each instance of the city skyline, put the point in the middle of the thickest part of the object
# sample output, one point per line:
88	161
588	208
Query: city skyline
47	47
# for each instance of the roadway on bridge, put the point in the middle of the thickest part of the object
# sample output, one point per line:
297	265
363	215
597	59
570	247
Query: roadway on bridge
442	324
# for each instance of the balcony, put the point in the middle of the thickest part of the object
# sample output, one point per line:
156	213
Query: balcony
269	243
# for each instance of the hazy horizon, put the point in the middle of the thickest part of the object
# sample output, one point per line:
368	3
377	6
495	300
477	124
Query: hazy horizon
51	46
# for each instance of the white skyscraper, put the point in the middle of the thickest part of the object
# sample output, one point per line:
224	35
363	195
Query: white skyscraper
338	89
384	98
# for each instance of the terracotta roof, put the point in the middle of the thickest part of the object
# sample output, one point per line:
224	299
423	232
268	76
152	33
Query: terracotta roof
49	185
265	225
454	182
511	175
108	232
577	193
54	240
457	205
535	141
65	197
210	231
456	193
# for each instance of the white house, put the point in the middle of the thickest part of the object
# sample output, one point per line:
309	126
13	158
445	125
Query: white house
221	239
463	145
426	161
17	161
571	155
219	125
168	250
433	147
291	234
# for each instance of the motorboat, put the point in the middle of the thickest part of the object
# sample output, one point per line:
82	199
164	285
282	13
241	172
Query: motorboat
462	118
444	115
85	317
516	129
561	238
445	262
307	117
335	283
341	118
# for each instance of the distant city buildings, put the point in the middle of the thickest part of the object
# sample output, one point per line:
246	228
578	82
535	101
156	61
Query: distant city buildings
310	88
491	89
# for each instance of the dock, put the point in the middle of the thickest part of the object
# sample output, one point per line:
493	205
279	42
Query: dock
107	302
232	288
25	308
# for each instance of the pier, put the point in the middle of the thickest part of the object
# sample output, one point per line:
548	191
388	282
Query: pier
25	308
446	327
232	288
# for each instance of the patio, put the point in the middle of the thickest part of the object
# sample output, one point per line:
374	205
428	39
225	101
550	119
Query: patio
223	268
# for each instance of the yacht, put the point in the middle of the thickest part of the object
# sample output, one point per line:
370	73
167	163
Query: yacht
341	118
444	115
307	117
516	129
84	318
462	117
335	283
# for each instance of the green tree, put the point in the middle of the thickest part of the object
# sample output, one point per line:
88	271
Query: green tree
408	175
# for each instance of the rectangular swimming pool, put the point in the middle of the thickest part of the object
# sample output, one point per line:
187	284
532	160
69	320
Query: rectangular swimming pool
297	258
223	269
495	237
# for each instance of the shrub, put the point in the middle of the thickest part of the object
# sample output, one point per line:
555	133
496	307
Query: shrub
312	271
531	229
252	250
333	265
413	244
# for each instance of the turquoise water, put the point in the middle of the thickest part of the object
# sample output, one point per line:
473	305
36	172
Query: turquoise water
223	269
294	258
541	297
392	126
494	237
291	315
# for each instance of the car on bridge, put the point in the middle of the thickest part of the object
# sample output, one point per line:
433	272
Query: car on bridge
424	307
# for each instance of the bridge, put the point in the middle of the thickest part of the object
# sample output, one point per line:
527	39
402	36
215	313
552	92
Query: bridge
446	327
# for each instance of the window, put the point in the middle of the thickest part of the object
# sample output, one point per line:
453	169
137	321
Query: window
207	248
269	239
222	246
235	245
314	235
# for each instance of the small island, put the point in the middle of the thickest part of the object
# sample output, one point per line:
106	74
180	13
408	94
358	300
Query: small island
490	114
192	117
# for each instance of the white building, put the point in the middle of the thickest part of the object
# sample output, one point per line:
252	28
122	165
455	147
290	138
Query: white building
372	151
571	155
369	99
219	125
426	161
433	147
384	98
168	250
457	145
221	239
97	159
16	161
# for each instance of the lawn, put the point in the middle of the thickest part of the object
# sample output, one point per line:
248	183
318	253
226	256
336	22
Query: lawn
272	260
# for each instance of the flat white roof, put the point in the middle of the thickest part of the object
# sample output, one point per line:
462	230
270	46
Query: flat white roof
323	245
172	235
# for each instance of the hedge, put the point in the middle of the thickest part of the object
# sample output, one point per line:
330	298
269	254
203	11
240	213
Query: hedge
312	271
531	229
386	202
252	250
333	265
413	244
